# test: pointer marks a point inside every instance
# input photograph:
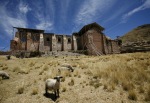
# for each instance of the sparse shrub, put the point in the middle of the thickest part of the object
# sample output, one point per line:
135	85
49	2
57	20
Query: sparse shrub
1	65
45	67
5	68
16	69
74	65
79	76
41	72
65	73
24	71
34	91
35	81
76	73
20	90
64	89
105	86
147	95
63	79
83	66
84	82
31	64
111	87
132	95
141	90
127	86
95	83
71	83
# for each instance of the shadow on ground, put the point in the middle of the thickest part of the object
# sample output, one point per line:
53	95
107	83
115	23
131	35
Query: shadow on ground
51	96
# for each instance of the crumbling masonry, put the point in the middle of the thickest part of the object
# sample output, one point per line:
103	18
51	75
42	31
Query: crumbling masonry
90	38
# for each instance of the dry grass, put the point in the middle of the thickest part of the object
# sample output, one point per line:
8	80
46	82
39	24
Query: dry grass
111	78
20	90
34	91
71	83
132	95
147	95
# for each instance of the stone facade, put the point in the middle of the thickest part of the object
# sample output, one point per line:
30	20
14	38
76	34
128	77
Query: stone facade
90	38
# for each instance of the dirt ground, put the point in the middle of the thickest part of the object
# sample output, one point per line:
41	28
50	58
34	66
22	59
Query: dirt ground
96	79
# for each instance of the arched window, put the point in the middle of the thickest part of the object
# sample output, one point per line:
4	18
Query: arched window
59	40
69	40
47	39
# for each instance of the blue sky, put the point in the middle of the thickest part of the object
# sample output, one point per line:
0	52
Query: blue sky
67	16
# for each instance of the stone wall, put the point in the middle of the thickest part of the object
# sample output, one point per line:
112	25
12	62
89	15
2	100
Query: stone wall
68	42
47	42
115	47
32	41
74	43
59	44
93	40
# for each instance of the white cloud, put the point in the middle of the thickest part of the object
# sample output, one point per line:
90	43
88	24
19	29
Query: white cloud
44	25
46	18
24	8
144	6
90	9
7	21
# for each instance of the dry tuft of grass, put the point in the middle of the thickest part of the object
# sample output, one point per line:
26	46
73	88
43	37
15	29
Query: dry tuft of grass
141	89
76	73
147	95
34	91
105	86
4	67
111	87
20	90
132	95
65	73
64	89
95	83
31	64
63	79
45	67
127	86
71	83
16	69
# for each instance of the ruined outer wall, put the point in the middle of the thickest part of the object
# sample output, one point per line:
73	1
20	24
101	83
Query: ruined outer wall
69	41
32	42
14	45
41	44
96	40
64	43
107	45
47	42
115	47
74	42
54	43
59	44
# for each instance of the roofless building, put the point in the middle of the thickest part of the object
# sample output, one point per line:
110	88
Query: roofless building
90	38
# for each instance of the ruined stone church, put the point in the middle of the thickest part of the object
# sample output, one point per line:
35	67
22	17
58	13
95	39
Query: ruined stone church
90	38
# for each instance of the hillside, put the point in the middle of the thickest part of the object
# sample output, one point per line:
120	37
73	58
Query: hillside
139	34
96	79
